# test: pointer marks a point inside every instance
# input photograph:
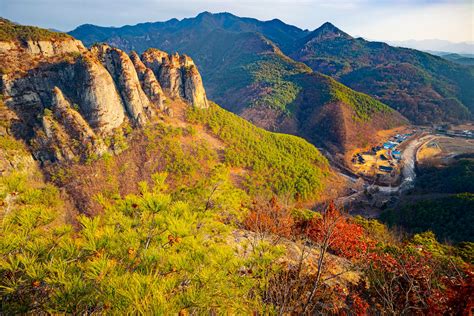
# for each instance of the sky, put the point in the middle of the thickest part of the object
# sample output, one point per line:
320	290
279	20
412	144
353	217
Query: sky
388	20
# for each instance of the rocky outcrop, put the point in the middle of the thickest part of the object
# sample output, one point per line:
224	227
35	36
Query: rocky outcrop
177	75
67	98
43	48
150	85
153	59
54	48
170	76
75	123
193	87
64	134
99	99
123	71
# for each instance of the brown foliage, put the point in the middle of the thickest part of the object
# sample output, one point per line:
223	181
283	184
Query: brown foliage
269	217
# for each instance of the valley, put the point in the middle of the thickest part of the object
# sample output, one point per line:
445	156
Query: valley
426	147
304	173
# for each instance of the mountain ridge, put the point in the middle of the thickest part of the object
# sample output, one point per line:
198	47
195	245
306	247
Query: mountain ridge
411	84
248	73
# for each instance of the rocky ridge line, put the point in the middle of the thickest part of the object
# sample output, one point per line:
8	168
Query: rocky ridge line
69	99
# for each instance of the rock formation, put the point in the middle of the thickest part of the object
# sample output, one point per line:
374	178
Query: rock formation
68	98
150	84
98	97
193	87
119	65
177	75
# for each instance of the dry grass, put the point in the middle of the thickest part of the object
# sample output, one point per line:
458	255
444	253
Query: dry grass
443	149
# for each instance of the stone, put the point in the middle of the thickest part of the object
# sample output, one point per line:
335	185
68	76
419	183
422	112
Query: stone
99	99
123	71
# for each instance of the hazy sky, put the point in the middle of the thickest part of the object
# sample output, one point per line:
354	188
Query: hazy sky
374	19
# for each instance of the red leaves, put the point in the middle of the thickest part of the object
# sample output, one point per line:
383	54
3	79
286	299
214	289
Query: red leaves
269	217
400	279
347	239
458	296
357	305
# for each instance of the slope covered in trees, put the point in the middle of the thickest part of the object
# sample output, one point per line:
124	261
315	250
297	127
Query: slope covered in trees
423	87
10	31
444	203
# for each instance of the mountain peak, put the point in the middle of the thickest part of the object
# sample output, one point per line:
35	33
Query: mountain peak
328	31
204	14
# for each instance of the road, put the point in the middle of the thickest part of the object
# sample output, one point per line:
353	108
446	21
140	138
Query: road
409	159
379	192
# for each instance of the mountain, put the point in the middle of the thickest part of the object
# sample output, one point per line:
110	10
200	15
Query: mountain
73	105
246	71
124	190
436	45
138	37
467	59
423	87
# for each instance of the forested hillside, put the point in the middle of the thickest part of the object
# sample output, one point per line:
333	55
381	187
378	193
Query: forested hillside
124	190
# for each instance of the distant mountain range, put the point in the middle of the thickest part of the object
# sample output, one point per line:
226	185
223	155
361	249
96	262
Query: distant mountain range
247	64
462	59
436	45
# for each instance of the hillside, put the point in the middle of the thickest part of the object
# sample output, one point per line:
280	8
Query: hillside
124	190
442	201
459	59
424	88
75	107
246	72
14	32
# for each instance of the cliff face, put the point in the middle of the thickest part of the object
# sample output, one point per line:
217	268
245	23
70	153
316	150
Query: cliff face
178	76
69	99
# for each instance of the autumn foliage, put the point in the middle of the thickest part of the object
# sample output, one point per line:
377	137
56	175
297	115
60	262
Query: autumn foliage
347	238
269	218
399	277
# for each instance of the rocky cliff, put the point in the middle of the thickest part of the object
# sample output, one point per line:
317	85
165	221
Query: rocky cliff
68	99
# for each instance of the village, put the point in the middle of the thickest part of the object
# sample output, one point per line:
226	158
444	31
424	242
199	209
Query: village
382	163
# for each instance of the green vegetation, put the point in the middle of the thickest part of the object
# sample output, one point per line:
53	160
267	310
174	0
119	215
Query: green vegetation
10	32
241	155
146	253
273	74
281	163
364	105
175	233
450	215
450	218
165	249
454	178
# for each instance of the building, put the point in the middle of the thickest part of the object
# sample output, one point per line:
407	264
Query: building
385	168
389	145
397	154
